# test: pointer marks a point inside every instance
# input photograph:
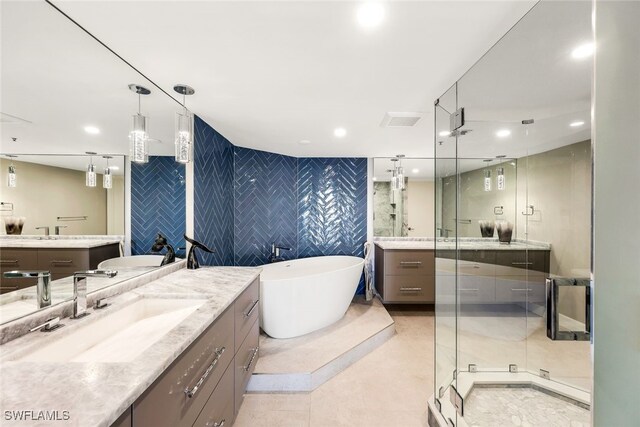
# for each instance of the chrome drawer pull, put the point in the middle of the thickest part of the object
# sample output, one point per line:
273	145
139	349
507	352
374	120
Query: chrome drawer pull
410	262
9	261
253	356
191	392
410	289
469	290
64	261
253	307
521	263
220	424
521	290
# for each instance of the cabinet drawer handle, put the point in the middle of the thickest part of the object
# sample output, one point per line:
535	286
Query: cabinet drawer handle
469	290
7	288
410	262
253	307
521	263
410	289
191	392
9	261
220	424
253	356
521	290
61	261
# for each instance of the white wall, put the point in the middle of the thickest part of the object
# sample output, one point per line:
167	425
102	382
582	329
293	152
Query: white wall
616	238
420	208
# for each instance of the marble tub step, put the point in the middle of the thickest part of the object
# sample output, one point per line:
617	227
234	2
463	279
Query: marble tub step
304	363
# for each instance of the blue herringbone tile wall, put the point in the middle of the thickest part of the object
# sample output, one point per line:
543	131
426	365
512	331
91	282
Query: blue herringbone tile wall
265	205
332	207
213	194
157	203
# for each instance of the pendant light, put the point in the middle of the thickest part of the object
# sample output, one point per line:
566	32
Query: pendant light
90	176
138	136
107	178
487	180
397	177
12	178
500	179
184	127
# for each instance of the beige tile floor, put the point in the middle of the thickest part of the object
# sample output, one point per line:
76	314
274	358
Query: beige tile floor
388	387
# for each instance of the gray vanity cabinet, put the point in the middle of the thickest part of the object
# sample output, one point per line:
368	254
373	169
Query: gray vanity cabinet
405	276
206	383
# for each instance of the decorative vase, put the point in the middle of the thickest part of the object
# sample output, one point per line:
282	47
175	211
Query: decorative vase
486	228
13	225
505	231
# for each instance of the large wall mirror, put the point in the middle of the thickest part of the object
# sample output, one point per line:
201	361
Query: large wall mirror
403	194
61	113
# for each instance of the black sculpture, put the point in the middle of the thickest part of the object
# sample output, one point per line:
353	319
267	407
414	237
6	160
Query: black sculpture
192	259
161	242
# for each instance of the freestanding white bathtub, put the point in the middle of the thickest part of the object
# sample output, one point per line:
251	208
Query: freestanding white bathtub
307	294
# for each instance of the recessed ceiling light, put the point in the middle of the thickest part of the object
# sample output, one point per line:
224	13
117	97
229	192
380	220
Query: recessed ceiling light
415	170
340	132
304	142
370	14
92	130
576	123
445	133
503	133
583	51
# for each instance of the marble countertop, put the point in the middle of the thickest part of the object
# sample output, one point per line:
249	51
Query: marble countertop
55	242
95	394
464	244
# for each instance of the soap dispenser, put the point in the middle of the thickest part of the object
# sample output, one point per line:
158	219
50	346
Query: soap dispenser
192	259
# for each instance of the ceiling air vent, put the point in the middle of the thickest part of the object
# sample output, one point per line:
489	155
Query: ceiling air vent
400	119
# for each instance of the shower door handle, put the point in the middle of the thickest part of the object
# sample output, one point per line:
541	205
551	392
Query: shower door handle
553	314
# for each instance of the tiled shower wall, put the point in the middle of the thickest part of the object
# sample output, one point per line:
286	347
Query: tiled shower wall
315	206
157	203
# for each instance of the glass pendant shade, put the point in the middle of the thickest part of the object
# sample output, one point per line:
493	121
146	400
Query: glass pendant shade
12	178
91	175
487	180
500	179
139	138
400	178
184	137
107	179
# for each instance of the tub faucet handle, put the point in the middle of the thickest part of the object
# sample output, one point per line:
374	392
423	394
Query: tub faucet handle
275	252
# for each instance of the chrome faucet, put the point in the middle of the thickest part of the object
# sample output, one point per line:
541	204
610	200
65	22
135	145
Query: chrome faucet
57	229
45	228
275	252
80	289
43	287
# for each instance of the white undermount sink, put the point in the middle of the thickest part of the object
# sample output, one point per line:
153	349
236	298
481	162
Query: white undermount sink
119	336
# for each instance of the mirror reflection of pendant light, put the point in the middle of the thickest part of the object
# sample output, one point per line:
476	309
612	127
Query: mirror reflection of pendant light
138	136
487	180
397	177
12	178
90	176
500	179
184	127
107	178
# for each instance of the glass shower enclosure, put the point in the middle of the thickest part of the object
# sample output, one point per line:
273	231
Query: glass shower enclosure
513	225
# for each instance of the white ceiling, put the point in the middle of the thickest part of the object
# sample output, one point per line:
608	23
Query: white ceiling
268	74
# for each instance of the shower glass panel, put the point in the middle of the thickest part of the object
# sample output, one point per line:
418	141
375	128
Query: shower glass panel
445	249
513	200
